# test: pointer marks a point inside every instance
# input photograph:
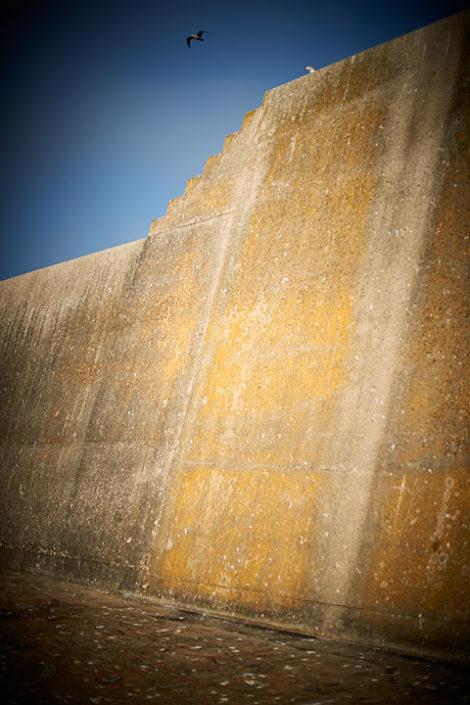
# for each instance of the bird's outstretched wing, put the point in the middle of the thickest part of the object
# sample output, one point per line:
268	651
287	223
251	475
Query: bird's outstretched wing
198	35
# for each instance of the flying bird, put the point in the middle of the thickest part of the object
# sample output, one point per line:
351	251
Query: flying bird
310	69
197	36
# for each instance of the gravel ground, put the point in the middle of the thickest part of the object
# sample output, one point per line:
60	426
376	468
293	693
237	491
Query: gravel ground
61	643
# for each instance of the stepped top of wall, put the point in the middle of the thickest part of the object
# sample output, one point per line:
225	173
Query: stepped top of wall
210	192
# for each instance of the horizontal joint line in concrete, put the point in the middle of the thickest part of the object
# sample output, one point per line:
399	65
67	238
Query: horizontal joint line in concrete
80	443
279	468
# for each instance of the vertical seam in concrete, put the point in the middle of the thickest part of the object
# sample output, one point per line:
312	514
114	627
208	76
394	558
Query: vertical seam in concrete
213	296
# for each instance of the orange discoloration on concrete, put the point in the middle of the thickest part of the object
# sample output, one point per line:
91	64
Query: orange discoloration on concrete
282	343
252	378
258	550
262	406
421	544
419	554
438	414
297	338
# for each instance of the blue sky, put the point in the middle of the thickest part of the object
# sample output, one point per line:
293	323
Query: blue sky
106	113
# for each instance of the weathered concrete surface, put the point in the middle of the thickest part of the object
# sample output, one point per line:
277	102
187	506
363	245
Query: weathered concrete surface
261	408
66	644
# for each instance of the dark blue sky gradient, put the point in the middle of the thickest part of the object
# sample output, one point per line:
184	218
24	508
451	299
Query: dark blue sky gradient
106	113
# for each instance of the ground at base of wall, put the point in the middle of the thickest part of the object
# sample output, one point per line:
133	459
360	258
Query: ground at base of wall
60	643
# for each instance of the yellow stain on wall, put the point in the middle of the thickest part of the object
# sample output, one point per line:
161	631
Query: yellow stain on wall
420	555
427	534
134	343
241	519
276	361
241	536
435	418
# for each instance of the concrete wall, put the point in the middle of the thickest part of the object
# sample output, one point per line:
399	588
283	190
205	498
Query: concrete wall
261	409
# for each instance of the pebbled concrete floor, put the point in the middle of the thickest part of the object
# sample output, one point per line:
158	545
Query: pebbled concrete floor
61	643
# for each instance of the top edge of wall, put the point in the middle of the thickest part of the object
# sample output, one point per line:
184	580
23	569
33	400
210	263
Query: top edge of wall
464	14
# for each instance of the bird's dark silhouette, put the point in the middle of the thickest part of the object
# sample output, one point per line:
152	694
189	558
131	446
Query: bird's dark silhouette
197	36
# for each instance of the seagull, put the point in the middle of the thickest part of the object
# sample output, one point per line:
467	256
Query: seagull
310	69
196	36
